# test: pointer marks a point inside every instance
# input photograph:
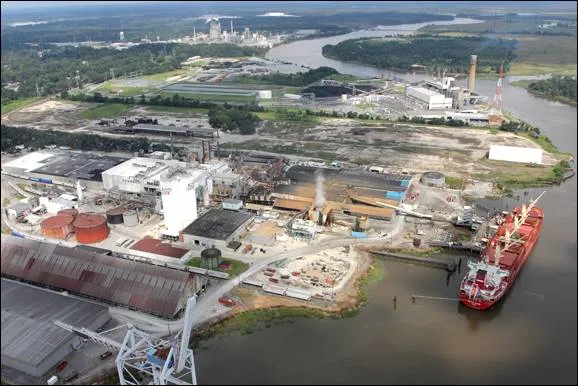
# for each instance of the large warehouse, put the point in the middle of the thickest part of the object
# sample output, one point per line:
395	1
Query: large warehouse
68	165
147	288
31	342
529	155
216	228
433	100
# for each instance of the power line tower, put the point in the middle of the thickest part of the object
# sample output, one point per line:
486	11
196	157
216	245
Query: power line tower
498	95
166	361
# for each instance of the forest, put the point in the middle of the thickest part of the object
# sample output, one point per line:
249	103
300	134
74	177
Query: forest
562	88
436	53
232	118
55	71
38	139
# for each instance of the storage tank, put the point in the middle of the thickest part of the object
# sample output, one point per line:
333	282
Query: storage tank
90	228
130	218
68	212
210	258
57	227
115	215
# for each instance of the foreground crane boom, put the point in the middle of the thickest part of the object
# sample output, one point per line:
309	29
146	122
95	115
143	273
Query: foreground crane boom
141	354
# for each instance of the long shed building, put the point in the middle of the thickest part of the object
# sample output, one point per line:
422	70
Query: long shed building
147	288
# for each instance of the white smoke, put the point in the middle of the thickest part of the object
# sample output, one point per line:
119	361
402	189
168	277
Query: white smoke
320	191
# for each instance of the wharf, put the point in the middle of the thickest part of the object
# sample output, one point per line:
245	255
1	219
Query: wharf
449	266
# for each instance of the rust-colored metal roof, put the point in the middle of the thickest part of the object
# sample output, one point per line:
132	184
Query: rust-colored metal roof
159	247
291	204
57	221
88	220
149	288
68	212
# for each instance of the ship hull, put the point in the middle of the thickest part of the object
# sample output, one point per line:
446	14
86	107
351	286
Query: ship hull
484	304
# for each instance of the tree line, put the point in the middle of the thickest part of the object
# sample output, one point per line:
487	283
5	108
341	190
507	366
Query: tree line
555	87
233	118
175	101
38	139
299	79
451	54
62	68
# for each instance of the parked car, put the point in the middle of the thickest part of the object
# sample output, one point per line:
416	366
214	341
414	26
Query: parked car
105	355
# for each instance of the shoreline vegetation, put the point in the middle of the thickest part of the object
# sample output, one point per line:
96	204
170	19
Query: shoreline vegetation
256	311
558	89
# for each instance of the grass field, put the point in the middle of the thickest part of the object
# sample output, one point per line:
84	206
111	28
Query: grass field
545	54
236	268
165	75
105	111
6	108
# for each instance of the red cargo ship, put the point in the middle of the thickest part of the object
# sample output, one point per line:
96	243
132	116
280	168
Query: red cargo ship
492	276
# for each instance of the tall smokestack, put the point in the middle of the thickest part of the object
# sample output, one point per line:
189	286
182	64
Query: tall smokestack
472	76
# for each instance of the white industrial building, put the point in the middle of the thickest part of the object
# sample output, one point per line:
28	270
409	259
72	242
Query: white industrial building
180	185
530	155
433	99
180	189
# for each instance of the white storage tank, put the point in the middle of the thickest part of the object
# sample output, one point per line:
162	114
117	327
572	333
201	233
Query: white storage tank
130	218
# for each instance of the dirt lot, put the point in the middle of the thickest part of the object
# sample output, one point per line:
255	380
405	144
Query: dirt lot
398	147
346	298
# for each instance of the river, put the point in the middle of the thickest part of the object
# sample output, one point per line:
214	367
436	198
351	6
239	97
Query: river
528	338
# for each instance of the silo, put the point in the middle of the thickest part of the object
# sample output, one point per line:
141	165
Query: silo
68	212
58	227
90	228
115	215
130	218
210	258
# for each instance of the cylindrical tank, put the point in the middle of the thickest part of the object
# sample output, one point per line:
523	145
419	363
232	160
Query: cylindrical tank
58	227
130	218
210	258
115	215
68	212
90	228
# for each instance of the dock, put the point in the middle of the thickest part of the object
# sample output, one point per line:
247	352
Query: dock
449	266
473	247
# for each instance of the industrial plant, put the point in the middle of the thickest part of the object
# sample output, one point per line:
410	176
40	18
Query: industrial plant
138	238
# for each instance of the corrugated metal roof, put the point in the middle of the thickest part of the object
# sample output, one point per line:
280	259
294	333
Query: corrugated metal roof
95	275
159	247
28	332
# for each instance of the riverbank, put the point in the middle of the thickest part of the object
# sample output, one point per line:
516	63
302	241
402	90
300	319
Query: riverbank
525	83
256	310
